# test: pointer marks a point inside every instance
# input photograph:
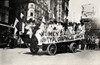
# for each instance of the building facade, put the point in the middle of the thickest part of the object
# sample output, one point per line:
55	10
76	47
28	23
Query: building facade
31	9
59	9
4	11
88	13
88	16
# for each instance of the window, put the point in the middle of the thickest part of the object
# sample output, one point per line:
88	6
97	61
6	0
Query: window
59	10
6	3
3	17
0	17
59	18
31	5
6	18
31	14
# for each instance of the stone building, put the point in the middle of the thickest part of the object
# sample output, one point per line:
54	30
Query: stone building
31	9
4	11
6	30
5	24
59	9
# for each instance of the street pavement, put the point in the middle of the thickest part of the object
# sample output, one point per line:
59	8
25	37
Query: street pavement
22	56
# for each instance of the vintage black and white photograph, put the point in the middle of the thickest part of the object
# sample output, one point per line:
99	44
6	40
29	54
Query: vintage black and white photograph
49	32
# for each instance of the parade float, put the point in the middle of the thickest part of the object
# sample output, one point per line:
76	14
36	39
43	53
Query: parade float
54	36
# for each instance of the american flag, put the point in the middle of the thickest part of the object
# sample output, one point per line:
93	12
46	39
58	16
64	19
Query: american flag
15	23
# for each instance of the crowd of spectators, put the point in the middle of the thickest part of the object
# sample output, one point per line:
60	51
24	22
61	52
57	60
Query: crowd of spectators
92	42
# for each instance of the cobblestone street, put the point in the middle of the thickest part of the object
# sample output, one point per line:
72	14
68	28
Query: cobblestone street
22	56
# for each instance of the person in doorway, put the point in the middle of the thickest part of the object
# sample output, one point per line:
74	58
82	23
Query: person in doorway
88	42
92	43
97	42
83	32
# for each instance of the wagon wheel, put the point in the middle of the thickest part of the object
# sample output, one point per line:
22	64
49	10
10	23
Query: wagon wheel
52	49
73	47
33	48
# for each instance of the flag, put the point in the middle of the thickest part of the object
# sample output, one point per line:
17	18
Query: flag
43	19
53	16
15	23
66	6
21	15
17	27
65	17
23	24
